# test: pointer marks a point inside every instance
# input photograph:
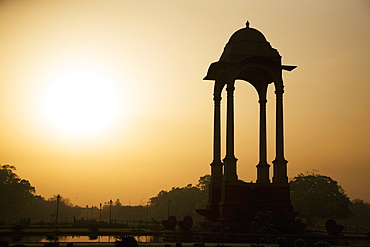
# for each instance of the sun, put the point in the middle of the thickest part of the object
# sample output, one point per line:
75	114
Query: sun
81	101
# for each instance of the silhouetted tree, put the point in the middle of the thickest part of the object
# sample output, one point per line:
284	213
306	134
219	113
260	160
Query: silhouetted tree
203	183
41	209
318	197
15	193
180	201
361	214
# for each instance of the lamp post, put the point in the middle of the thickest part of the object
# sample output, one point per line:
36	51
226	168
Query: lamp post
169	206
146	216
57	215
129	213
87	212
76	213
110	210
100	212
92	212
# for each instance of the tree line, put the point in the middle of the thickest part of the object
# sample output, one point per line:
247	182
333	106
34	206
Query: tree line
316	197
19	202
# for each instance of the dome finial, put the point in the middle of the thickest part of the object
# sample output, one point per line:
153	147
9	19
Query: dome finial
247	24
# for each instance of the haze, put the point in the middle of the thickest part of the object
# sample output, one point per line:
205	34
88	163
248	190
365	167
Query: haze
102	100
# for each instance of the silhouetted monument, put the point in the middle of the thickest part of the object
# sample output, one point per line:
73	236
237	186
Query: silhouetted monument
249	57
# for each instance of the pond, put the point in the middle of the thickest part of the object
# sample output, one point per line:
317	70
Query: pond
74	239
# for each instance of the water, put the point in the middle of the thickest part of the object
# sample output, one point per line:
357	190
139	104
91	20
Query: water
98	239
74	239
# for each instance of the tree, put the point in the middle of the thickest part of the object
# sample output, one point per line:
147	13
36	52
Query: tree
15	193
180	201
317	197
203	183
361	214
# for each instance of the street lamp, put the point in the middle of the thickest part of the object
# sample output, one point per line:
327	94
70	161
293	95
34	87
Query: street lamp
100	213
57	215
110	210
87	212
146	216
129	213
169	206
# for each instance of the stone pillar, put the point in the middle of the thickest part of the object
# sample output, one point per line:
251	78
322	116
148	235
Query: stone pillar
229	205
280	164
216	165
262	167
230	160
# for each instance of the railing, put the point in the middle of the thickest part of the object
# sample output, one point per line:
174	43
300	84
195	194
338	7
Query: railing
350	229
27	223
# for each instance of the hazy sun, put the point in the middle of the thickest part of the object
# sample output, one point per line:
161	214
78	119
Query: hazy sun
81	101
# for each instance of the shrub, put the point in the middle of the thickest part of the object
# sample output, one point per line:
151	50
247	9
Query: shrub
322	244
300	243
281	241
126	241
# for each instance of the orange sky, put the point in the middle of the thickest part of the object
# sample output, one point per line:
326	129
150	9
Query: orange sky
102	100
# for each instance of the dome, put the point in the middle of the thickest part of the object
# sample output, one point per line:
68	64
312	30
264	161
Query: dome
247	42
246	57
247	34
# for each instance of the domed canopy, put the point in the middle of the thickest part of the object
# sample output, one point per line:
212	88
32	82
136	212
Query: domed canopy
247	34
247	45
247	42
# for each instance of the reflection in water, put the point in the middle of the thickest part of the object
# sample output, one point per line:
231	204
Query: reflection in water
77	239
90	238
93	236
97	238
19	238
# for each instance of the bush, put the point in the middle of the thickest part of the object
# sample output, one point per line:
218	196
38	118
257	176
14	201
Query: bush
300	243
322	244
126	241
282	242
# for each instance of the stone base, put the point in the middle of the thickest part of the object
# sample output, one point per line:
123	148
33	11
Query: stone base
238	213
176	236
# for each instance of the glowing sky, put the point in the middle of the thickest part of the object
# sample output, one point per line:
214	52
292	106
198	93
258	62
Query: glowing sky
102	100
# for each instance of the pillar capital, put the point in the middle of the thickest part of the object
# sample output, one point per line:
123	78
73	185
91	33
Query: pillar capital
217	98
279	91
230	87
262	101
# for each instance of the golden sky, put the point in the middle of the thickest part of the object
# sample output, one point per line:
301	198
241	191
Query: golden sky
102	100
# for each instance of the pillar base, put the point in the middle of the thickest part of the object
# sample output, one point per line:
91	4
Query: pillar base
245	200
230	175
280	171
263	176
